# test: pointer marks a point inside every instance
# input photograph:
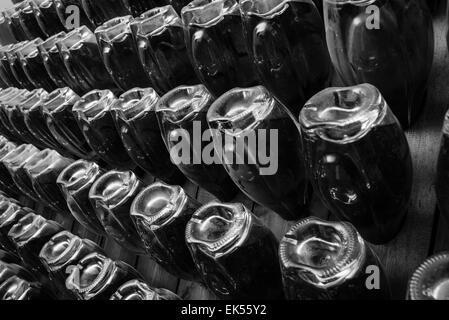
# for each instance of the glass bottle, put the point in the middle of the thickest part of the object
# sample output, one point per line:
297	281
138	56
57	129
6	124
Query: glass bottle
43	172
5	67
8	270
93	115
178	4
47	16
138	7
16	117
252	126
96	277
358	159
13	23
8	104
135	118
82	58
18	289
33	66
182	118
8	257
356	38
287	44
112	195
61	122
10	214
119	53
216	47
160	213
63	251
6	183
7	95
139	290
159	34
54	64
28	20
236	255
100	11
441	187
75	182
64	9
430	281
16	66
6	34
15	162
29	236
323	260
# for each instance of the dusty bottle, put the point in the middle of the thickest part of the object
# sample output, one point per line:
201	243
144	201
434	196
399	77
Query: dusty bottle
18	289
96	277
61	122
112	195
47	16
217	49
10	214
43	173
401	69
63	251
135	118
287	44
159	34
82	58
139	290
119	53
182	118
236	255
430	281
100	11
93	115
250	123
75	182
33	65
160	213
323	260
15	162
29	236
358	159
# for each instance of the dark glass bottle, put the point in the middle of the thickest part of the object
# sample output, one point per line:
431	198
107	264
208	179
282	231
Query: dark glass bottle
236	255
18	289
54	63
8	270
16	66
7	95
359	160
29	236
6	183
61	122
47	16
100	11
401	69
75	182
139	290
441	186
430	281
252	126
15	162
96	277
10	214
217	49
135	118
13	23
159	35
287	44
82	58
8	257
33	66
28	21
178	4
119	53
112	195
43	171
6	34
6	106
329	261
182	118
16	117
93	115
138	7
160	213
5	67
69	18
61	252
